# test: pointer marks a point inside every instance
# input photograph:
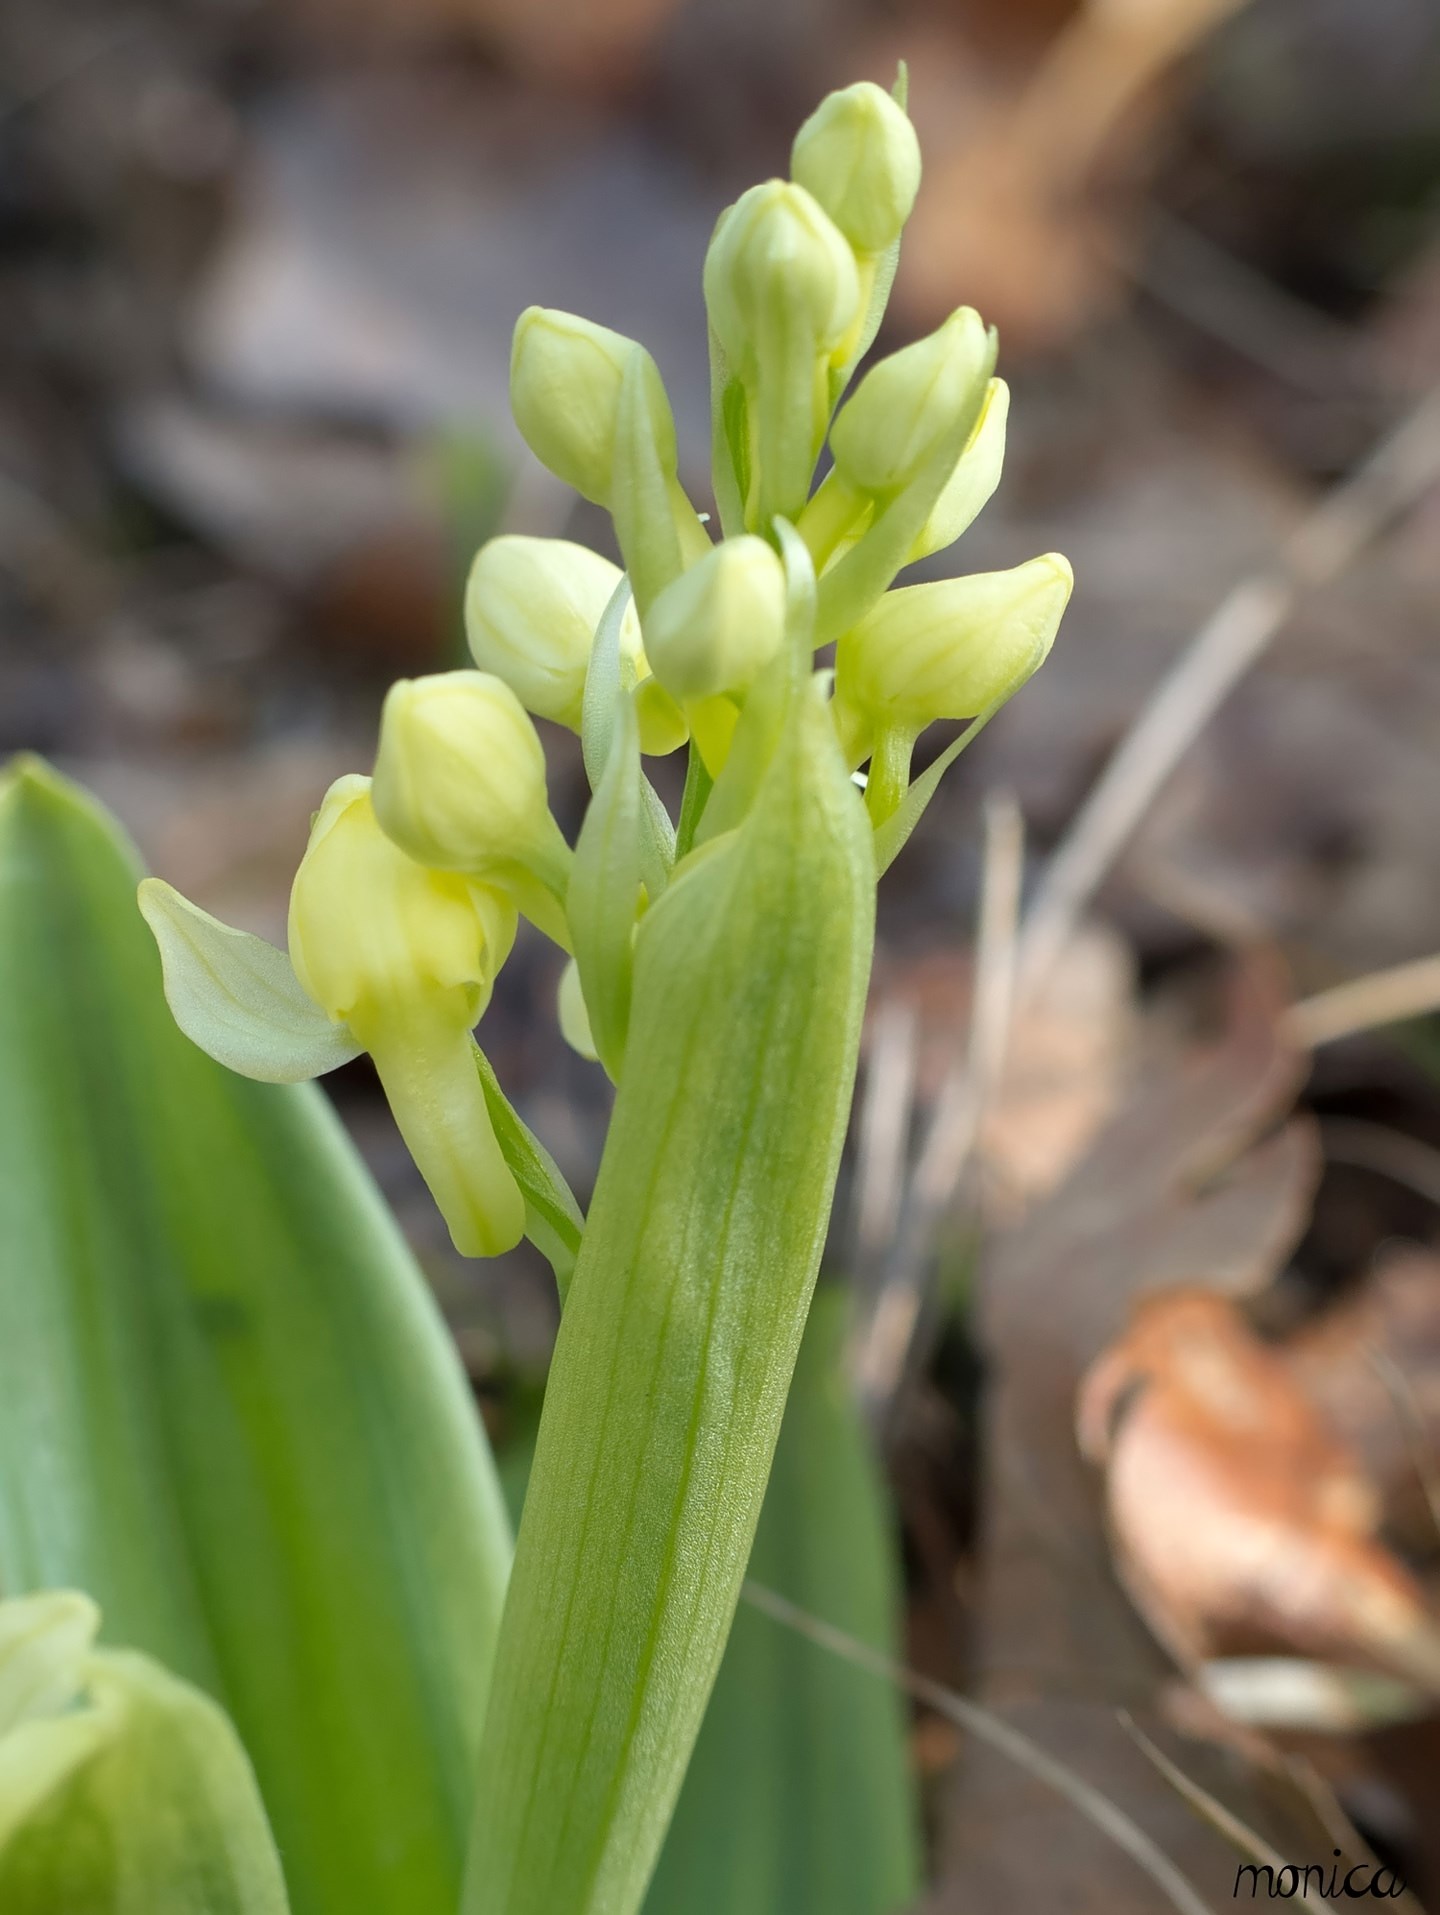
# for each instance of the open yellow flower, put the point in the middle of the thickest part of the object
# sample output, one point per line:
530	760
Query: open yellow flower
386	956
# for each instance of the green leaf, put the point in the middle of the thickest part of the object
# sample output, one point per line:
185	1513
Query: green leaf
231	1412
553	1220
678	1340
799	1798
123	1792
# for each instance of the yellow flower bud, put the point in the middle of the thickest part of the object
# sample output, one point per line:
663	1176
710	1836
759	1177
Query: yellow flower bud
906	405
783	294
719	624
531	609
565	376
857	154
976	475
460	777
405	957
778	264
952	649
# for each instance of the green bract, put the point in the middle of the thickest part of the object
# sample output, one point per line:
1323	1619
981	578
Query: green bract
717	959
695	1273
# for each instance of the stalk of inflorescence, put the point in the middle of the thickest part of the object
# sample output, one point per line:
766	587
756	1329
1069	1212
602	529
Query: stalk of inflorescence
716	965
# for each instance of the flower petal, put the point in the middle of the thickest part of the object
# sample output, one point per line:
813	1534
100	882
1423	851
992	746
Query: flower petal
237	997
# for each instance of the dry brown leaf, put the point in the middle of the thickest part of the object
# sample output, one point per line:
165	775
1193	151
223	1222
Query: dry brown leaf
1069	1049
1067	1055
1242	1525
1174	1183
1371	1366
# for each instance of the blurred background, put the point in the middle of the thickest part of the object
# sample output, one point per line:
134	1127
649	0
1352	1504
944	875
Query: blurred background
259	264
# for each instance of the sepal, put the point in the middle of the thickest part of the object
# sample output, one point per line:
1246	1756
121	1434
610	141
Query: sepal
237	996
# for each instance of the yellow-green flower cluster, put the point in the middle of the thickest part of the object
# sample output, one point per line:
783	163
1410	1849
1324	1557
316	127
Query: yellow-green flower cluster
405	905
795	281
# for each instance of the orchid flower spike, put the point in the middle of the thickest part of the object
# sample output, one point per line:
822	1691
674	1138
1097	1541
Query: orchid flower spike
386	956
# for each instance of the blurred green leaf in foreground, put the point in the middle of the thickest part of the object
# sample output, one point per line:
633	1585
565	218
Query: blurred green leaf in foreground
228	1410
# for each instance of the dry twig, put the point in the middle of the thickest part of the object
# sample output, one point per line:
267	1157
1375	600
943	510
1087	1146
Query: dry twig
987	1727
1400	470
1389	1153
884	1342
1380	997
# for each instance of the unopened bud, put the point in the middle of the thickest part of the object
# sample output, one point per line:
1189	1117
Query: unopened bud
531	611
905	406
719	624
778	264
565	378
952	649
859	157
460	773
976	475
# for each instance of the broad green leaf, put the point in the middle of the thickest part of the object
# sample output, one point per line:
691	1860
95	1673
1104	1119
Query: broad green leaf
229	1411
678	1341
799	1798
122	1791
